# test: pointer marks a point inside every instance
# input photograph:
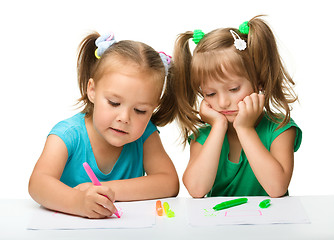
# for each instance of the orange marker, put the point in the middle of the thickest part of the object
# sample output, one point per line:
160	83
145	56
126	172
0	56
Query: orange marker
159	208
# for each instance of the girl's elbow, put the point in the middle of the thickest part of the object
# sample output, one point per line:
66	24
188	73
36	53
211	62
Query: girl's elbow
174	186
31	188
194	191
196	194
277	192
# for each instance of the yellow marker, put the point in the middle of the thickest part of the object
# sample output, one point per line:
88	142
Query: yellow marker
169	213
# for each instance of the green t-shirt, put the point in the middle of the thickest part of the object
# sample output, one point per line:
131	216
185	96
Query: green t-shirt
238	179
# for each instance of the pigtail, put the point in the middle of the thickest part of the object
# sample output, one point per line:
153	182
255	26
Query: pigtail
166	111
86	62
186	95
272	76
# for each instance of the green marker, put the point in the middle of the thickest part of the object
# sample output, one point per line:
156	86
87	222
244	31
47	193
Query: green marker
265	203
231	203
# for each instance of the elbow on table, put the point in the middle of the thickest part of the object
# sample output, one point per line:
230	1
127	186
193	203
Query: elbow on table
175	189
196	194
32	189
277	192
195	191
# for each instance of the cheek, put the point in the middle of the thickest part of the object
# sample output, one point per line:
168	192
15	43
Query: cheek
102	113
213	103
244	94
139	126
99	119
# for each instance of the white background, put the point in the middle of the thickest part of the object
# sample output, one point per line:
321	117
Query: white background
38	46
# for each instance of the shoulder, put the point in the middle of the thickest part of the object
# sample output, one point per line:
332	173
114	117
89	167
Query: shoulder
203	133
271	130
150	128
75	121
70	130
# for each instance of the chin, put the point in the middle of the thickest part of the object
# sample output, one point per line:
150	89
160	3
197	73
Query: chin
230	119
117	142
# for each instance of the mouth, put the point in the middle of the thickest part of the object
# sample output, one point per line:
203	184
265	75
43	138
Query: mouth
118	131
229	112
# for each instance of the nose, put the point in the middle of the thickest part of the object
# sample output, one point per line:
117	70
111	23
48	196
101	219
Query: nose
224	101
124	116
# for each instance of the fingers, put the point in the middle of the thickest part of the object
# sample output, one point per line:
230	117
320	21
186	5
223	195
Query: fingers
252	103
101	200
250	108
99	211
210	115
106	198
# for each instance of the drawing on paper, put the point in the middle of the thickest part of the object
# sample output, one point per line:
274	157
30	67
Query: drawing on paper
232	213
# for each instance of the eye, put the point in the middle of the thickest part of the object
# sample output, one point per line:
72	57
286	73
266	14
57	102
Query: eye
234	89
139	111
210	94
114	104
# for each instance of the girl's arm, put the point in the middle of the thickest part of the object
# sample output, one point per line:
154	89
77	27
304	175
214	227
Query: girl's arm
201	171
46	188
272	169
161	180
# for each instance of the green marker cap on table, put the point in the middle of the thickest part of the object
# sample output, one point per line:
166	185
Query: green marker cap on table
265	203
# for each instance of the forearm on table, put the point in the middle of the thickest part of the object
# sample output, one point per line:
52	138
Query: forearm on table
153	186
53	194
201	171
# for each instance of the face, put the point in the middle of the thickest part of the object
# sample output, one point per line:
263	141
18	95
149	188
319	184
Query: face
123	104
224	95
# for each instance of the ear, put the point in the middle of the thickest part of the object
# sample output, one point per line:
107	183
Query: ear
260	88
91	90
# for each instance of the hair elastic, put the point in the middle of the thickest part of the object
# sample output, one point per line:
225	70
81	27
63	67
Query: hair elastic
103	43
166	59
244	27
198	35
239	43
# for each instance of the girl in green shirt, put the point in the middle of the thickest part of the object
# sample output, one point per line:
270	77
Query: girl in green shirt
247	144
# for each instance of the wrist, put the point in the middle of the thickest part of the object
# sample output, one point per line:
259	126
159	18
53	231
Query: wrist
77	203
219	127
244	131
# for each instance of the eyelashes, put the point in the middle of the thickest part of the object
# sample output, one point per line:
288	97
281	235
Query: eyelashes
230	90
116	104
140	111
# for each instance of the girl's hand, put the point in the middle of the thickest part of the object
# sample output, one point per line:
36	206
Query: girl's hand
211	116
250	110
83	186
96	201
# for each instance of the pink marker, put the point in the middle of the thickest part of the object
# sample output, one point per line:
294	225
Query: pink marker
94	179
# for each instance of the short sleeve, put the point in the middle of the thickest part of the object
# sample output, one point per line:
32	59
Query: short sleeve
203	134
150	128
298	139
68	134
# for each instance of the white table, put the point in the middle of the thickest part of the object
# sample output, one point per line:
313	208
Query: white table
15	214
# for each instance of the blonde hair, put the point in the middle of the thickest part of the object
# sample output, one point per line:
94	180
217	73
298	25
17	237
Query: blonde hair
138	53
260	62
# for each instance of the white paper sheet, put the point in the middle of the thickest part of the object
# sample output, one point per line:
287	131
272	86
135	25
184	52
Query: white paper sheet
140	214
281	210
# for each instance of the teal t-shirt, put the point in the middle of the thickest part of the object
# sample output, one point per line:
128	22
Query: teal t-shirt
238	179
74	134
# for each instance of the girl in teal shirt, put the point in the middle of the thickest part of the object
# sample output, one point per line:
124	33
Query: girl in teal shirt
247	145
124	98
